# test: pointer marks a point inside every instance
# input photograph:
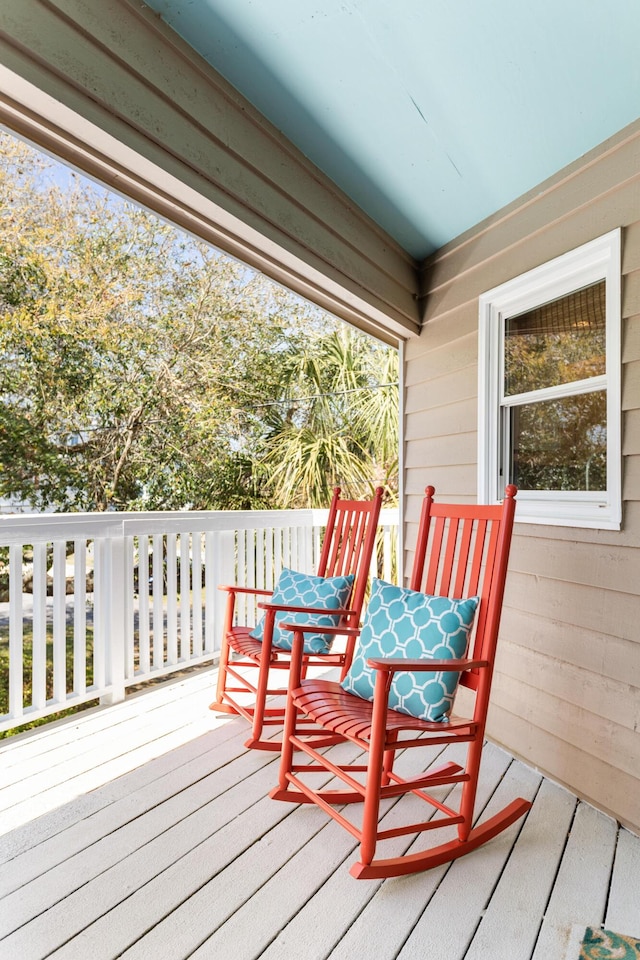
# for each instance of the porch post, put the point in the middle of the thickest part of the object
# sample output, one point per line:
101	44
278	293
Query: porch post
114	607
219	568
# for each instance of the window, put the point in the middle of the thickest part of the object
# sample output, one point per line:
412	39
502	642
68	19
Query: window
549	389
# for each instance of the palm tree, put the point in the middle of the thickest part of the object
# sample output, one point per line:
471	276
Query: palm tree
340	421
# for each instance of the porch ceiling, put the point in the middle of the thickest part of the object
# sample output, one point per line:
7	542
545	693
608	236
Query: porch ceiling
430	116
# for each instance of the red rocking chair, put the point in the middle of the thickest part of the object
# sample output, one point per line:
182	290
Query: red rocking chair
347	550
414	645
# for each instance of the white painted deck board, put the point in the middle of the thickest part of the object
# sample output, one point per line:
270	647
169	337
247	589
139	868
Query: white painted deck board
85	725
32	833
397	905
184	855
623	910
118	842
581	887
448	923
96	754
321	902
509	927
114	815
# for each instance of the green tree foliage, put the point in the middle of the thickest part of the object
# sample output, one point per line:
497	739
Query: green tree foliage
339	421
140	367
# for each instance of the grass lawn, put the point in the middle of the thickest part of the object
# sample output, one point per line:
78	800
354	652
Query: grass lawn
28	673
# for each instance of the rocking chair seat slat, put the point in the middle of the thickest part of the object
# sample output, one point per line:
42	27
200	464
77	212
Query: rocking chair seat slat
325	702
243	643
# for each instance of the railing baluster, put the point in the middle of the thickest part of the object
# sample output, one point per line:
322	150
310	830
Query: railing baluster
318	533
219	568
129	613
258	558
241	574
172	607
185	597
100	588
267	574
250	561
144	648
278	564
116	570
306	546
16	655
196	601
39	648
158	605
387	554
79	617
59	621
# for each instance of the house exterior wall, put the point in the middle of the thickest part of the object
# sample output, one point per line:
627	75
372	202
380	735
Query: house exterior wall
567	689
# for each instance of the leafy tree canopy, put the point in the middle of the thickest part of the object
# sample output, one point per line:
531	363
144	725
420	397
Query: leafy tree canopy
144	370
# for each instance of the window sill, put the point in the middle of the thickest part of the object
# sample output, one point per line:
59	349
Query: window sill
568	512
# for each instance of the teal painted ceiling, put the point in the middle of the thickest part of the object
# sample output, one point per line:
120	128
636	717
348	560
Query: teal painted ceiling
430	114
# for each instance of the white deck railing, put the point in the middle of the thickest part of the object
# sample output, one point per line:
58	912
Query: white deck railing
98	602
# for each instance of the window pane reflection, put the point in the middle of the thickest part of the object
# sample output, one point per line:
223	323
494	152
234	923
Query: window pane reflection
559	342
560	444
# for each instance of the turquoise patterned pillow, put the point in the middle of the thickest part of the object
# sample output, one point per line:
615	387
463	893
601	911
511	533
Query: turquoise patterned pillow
404	623
303	590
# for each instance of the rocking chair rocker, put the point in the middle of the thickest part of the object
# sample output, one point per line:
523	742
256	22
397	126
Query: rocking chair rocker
402	698
347	549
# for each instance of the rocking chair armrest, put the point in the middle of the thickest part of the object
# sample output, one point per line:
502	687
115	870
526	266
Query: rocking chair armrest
297	648
397	664
340	612
233	588
314	628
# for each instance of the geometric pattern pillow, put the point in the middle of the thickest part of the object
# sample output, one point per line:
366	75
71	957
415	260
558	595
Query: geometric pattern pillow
304	590
400	622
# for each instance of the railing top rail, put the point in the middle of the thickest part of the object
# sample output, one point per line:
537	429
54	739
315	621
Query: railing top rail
38	528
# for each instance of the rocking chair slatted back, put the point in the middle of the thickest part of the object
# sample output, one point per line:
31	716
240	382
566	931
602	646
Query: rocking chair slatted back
349	539
462	544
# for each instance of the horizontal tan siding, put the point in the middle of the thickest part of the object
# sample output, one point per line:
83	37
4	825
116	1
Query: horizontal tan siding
575	765
630	385
445	421
456	385
631	441
116	65
608	657
450	358
567	690
631	340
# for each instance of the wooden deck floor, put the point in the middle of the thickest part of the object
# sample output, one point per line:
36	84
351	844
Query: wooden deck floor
144	831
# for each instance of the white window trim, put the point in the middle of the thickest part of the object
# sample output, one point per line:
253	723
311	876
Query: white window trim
590	263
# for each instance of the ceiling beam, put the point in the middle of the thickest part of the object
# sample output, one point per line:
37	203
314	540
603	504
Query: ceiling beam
109	88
